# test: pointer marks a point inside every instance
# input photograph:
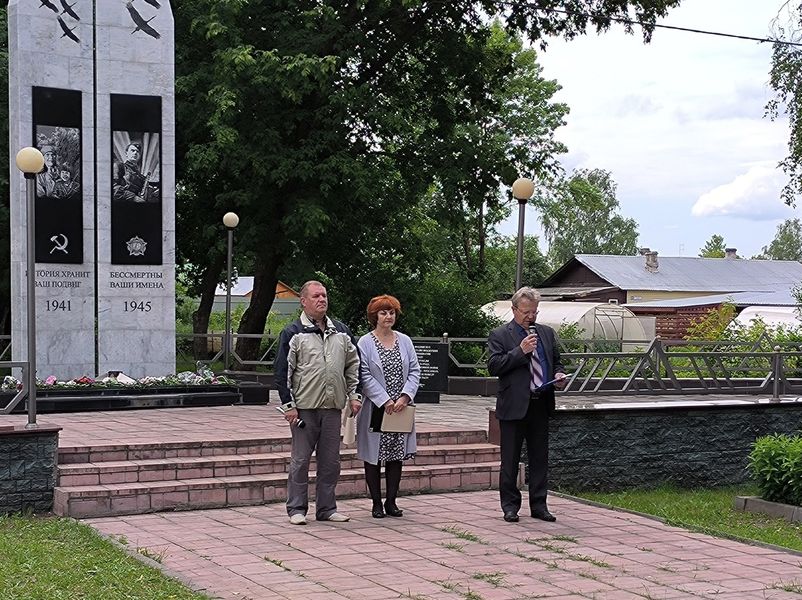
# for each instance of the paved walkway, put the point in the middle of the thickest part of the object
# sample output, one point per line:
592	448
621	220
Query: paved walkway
453	546
447	546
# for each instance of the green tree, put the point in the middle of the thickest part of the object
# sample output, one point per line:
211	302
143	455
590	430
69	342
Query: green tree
714	247
502	260
785	78
411	231
581	216
504	125
787	242
300	117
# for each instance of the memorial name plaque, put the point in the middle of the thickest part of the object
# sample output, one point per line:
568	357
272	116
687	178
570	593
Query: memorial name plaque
433	360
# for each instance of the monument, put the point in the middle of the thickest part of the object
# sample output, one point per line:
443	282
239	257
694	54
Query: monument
91	86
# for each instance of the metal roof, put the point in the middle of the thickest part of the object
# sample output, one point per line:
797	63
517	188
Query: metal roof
739	299
576	291
692	274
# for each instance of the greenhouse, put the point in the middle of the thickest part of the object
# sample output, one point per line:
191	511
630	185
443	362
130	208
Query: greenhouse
596	320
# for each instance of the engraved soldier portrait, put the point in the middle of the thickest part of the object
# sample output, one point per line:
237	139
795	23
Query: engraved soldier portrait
135	172
60	177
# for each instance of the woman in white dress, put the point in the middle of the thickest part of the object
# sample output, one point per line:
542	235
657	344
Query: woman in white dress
390	374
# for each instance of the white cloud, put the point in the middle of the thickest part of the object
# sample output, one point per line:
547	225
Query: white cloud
753	195
675	119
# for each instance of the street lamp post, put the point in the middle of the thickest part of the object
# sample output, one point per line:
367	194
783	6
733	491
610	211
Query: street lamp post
30	161
522	190
230	220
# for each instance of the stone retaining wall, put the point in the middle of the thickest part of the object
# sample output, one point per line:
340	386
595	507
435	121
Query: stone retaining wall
27	468
691	444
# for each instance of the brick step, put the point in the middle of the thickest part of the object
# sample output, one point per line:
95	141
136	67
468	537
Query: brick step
162	450
170	469
193	494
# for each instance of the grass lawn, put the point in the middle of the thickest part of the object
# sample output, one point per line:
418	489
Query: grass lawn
60	559
709	511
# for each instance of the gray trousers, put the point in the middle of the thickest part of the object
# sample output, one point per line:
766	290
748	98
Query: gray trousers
322	436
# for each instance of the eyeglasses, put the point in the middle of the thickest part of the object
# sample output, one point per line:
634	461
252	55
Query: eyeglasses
526	313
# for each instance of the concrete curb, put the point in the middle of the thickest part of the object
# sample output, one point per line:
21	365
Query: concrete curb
754	504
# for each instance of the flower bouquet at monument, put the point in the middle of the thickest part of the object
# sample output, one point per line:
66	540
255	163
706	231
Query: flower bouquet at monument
117	379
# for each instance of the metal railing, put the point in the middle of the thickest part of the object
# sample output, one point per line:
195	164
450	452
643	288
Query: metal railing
211	351
600	367
5	348
679	371
21	393
615	367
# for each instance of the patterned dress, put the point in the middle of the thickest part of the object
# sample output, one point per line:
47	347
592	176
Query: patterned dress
391	445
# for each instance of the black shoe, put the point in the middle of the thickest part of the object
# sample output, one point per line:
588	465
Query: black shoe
544	515
378	512
393	511
511	517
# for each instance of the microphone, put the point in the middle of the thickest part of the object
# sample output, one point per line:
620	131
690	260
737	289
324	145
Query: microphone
532	329
300	424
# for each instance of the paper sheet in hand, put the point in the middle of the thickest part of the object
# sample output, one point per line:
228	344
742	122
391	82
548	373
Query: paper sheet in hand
399	422
556	379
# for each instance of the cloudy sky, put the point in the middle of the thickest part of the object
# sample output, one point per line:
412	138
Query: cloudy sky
679	123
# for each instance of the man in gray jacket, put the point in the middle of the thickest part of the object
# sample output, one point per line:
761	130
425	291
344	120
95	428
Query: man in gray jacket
317	372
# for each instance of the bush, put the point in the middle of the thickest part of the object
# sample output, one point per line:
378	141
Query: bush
776	466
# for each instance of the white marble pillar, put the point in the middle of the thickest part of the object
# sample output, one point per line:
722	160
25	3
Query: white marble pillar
51	47
136	302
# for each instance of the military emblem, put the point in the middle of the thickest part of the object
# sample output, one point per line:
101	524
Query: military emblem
136	246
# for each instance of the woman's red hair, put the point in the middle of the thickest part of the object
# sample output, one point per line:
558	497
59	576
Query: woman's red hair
383	302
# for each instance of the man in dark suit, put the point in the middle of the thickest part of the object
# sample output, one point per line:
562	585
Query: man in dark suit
525	357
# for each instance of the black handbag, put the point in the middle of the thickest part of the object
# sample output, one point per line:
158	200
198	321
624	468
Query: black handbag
376	418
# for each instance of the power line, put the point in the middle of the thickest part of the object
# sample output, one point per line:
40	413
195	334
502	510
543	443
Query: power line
658	26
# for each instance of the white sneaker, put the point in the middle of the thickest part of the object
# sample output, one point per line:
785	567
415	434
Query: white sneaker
338	518
298	519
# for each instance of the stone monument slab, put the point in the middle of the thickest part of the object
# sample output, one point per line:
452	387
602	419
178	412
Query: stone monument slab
51	107
92	86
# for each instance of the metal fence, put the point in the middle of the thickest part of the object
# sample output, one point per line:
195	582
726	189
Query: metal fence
611	367
21	392
5	348
209	349
617	367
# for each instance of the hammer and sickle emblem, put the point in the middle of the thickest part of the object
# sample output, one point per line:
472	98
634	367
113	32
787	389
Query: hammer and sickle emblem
59	245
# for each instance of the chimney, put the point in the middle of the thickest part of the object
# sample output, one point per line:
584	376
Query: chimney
643	251
730	253
651	261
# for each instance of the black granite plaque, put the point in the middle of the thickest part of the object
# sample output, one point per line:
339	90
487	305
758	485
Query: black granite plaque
433	359
59	197
136	203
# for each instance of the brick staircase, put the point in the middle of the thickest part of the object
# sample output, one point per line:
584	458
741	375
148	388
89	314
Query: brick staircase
98	481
